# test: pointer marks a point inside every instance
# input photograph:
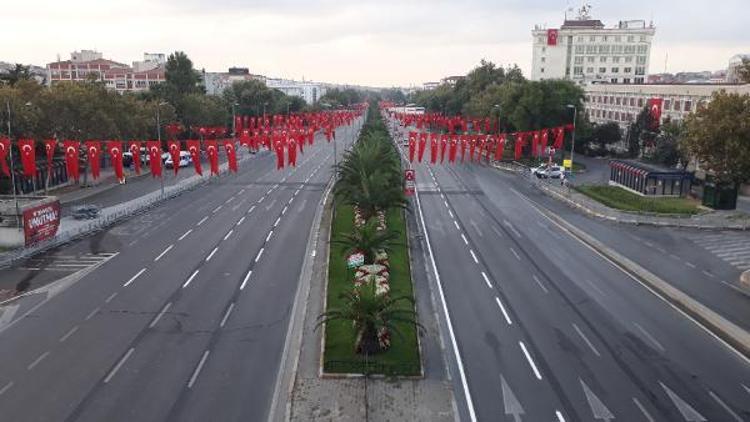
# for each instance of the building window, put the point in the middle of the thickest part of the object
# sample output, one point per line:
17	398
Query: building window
606	99
541	70
618	100
629	59
618	38
632	100
609	114
544	49
639	80
589	70
591	49
631	38
641	60
605	38
616	59
580	38
603	59
603	70
578	60
643	38
603	49
590	59
615	70
544	59
592	38
578	70
677	105
616	49
642	49
617	115
688	105
541	40
667	104
640	70
628	70
580	49
640	102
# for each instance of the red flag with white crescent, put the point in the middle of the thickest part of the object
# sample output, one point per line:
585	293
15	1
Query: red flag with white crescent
655	107
93	148
433	148
535	144
443	147
499	147
464	144
174	153
213	155
412	145
71	158
472	146
231	151
519	144
292	151
278	146
154	157
49	148
422	145
559	133
194	148
135	150
28	156
114	148
238	125
453	149
4	150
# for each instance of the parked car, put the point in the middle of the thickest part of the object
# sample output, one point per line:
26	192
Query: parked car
546	171
185	160
85	212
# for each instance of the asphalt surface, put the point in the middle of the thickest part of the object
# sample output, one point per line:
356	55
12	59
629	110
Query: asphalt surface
545	329
184	320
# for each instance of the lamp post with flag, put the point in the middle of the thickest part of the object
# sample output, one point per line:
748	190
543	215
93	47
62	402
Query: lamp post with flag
573	135
12	167
158	137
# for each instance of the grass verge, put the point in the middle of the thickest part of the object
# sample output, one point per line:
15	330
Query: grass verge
621	199
402	358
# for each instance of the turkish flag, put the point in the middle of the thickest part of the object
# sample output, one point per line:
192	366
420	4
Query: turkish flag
174	153
520	142
28	156
535	144
453	149
212	150
231	151
545	140
433	148
93	148
443	147
49	149
310	136
194	148
135	150
4	150
655	107
292	151
552	35
464	144
472	146
412	145
114	148
422	145
245	139
71	158
237	125
278	146
482	139
559	133
154	157
499	147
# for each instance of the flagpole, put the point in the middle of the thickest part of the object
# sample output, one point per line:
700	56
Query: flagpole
12	167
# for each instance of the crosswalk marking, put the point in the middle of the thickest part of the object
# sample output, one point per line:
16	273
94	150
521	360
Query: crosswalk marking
731	247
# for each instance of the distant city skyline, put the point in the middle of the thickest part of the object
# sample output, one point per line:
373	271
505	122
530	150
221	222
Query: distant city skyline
385	43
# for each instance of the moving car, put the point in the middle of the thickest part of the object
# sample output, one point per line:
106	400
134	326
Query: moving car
185	160
546	171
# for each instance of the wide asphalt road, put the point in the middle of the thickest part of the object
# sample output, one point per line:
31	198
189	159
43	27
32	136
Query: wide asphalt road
542	328
187	320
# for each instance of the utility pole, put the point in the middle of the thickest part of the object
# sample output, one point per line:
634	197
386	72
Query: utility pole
573	140
158	135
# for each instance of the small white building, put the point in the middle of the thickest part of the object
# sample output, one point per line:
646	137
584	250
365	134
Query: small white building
217	82
308	91
584	50
735	62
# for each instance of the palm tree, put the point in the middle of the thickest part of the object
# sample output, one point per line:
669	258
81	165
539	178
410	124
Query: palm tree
370	313
368	240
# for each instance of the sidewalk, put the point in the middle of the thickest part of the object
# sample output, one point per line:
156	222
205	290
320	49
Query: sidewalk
714	220
313	397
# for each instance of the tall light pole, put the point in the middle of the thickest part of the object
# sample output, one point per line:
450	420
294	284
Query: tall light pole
573	136
158	136
12	166
234	119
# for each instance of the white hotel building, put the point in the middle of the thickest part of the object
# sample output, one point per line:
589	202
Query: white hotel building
584	50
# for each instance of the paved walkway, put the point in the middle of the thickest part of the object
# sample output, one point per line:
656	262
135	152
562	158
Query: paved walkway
315	398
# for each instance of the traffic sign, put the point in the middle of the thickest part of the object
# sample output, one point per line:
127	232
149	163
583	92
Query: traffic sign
409	182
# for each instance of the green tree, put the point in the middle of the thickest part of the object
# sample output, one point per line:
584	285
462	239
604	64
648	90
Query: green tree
668	149
181	76
368	240
718	135
370	312
604	135
200	109
641	134
336	97
19	72
744	71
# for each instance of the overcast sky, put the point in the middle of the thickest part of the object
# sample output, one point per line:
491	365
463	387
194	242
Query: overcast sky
371	42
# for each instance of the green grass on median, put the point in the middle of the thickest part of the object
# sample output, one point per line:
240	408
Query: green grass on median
621	199
402	358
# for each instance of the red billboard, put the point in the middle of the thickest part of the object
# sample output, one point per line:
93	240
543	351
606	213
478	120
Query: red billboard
552	36
409	176
41	222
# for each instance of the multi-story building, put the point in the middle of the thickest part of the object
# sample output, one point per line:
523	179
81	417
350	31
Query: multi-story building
622	103
451	80
427	86
308	91
584	50
88	64
735	62
217	82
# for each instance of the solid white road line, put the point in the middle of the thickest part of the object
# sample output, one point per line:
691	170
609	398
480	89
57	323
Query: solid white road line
464	238
119	365
229	233
187	283
6	387
643	410
451	333
226	315
184	235
37	360
68	334
586	340
169	248
240	221
531	361
247	277
269	235
109	299
198	369
208	258
474	257
648	336
518	257
203	220
502	308
132	279
539	282
724	406
486	280
260	252
559	415
160	314
92	313
216	209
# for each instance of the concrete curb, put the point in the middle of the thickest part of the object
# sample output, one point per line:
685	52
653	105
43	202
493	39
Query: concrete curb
708	319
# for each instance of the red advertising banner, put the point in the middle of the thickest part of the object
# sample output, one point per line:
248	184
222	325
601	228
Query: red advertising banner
552	36
41	222
409	186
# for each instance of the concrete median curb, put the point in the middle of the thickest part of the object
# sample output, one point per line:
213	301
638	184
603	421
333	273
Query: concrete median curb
708	319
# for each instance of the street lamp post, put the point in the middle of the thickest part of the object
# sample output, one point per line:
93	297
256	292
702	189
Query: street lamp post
234	119
158	136
573	135
12	167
